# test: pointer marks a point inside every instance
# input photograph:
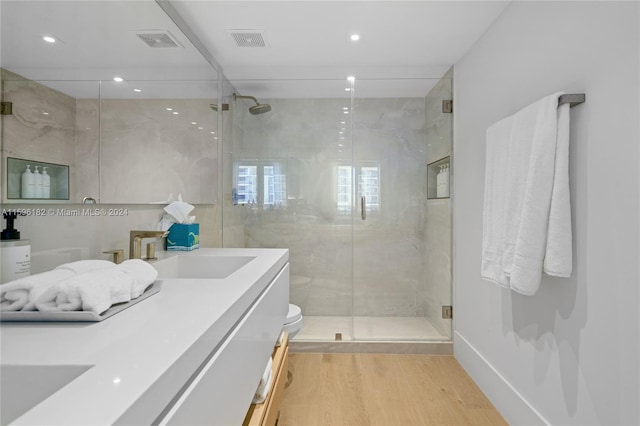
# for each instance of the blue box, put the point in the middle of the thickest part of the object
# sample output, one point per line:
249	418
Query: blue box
183	237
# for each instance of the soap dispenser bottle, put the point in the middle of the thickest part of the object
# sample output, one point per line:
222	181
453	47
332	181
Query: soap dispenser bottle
46	183
445	181
37	177
28	187
439	183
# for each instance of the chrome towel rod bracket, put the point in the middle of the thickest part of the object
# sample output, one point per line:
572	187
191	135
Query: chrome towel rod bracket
572	99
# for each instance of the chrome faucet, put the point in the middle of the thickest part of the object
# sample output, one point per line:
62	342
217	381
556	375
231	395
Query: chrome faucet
135	241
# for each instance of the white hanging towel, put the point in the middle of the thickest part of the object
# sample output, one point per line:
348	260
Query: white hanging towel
536	214
494	192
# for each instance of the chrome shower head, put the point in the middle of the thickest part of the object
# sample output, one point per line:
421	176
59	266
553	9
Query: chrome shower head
258	108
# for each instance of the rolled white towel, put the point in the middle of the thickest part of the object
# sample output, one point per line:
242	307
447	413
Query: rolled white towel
82	266
93	291
101	289
266	374
142	273
263	391
22	293
63	296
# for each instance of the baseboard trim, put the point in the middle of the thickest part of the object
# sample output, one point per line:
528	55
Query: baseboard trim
427	348
508	401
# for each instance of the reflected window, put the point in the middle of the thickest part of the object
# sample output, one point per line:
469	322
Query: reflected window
368	178
260	182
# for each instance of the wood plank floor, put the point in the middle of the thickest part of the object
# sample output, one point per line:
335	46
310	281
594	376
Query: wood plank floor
382	389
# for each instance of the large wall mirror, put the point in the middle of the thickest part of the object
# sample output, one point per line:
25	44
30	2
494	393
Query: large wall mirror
144	139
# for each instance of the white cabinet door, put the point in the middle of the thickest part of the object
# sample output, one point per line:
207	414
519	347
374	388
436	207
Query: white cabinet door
223	389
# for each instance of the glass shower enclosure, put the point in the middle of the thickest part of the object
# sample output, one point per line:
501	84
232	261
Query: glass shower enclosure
343	174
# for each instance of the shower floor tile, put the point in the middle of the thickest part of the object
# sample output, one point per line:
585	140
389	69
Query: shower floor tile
324	328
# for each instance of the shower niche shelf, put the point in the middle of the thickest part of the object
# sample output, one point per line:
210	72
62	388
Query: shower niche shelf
58	177
438	179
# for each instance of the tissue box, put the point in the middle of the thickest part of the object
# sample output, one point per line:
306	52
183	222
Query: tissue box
183	237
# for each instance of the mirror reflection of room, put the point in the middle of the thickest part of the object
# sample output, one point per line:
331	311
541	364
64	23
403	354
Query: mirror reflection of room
112	119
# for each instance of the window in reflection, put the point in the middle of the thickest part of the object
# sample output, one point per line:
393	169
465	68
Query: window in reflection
260	182
368	178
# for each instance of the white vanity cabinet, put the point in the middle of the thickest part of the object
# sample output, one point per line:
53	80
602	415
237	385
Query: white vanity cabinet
222	391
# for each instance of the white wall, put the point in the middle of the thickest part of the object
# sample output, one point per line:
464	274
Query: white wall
571	353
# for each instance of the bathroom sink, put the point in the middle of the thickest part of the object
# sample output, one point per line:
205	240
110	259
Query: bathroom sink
196	266
25	386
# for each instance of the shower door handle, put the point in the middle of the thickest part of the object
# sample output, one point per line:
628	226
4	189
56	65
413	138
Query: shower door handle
363	207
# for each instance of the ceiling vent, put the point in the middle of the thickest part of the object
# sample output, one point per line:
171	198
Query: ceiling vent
158	38
249	38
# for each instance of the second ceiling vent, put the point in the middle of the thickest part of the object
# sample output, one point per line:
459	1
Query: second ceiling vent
249	38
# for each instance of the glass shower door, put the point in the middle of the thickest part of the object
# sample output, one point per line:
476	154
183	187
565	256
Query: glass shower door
286	187
400	282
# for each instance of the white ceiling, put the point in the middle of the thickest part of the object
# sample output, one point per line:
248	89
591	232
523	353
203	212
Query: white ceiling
310	39
97	41
405	45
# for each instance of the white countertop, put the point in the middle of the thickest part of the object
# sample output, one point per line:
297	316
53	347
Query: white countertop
141	356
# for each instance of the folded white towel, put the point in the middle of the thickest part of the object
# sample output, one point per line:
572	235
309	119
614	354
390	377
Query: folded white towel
142	273
82	266
92	291
532	157
22	293
497	150
535	214
558	259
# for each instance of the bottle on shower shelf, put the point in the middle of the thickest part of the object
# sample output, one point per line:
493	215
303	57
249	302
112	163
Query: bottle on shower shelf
37	177
439	180
46	183
445	181
28	188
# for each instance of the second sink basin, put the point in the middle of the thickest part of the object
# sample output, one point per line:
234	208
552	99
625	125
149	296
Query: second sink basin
25	386
211	267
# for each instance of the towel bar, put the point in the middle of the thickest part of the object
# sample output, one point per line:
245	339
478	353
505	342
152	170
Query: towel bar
572	99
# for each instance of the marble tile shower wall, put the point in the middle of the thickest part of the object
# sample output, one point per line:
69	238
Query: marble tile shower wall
388	248
42	125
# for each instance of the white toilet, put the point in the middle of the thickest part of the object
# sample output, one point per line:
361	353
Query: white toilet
293	323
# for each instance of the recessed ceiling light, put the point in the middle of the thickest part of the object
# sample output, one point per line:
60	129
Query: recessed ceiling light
347	89
137	90
351	78
355	37
342	122
118	79
200	128
49	39
169	109
194	122
175	113
345	108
